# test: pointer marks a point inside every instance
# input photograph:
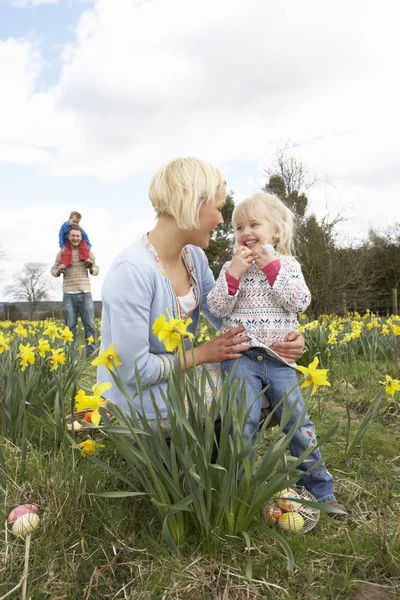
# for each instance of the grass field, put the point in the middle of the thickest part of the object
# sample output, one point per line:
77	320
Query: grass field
88	546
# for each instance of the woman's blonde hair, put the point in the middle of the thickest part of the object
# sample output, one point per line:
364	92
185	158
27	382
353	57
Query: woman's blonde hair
180	188
271	208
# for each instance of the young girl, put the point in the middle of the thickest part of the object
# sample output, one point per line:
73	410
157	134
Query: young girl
263	289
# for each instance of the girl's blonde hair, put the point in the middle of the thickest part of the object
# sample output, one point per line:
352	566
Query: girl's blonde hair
181	187
271	208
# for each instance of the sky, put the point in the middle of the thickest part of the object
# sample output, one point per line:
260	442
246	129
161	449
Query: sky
97	94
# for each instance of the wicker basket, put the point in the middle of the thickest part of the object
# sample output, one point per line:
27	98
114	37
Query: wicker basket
310	514
77	418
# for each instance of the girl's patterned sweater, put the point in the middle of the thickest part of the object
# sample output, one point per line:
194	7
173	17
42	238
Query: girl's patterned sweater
268	312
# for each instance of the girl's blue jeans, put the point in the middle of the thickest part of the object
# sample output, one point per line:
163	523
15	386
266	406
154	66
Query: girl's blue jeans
259	370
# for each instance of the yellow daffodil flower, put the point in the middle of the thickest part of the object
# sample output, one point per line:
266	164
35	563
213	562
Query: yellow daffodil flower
171	332
58	358
21	331
313	376
94	402
391	385
43	347
26	354
89	447
108	358
90	340
52	331
332	339
66	335
4	343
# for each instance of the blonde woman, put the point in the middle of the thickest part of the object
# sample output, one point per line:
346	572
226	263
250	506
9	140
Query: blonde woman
167	269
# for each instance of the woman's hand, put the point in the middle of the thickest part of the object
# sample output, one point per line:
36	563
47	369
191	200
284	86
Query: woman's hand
292	349
223	347
242	261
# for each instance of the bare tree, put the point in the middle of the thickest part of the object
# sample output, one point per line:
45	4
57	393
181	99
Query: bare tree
292	170
31	286
333	273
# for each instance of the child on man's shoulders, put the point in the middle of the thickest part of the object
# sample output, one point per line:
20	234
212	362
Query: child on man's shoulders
85	245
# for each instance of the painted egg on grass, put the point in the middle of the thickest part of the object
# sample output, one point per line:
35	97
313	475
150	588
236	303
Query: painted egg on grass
24	519
291	521
21	510
272	513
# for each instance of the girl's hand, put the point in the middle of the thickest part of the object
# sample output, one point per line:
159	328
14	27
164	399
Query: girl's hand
223	347
242	261
263	257
292	349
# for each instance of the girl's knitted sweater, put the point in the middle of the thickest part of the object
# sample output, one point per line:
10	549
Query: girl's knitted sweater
268	313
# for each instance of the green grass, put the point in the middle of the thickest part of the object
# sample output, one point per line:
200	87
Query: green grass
92	547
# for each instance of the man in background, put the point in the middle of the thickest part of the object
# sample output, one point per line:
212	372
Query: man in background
77	296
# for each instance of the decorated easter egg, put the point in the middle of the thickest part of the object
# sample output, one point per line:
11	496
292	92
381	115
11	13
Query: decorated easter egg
270	249
287	500
272	513
21	510
244	250
88	417
291	521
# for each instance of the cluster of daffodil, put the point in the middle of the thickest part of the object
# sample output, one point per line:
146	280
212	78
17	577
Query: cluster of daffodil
38	363
343	330
172	332
30	340
92	403
349	338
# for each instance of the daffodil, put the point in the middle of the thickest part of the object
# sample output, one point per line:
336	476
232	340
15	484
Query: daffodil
313	376
391	385
108	358
90	340
26	354
21	331
66	334
93	402
89	447
58	358
43	347
4	343
52	331
171	332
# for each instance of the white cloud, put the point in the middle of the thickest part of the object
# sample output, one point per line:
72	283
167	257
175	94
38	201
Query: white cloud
228	81
151	80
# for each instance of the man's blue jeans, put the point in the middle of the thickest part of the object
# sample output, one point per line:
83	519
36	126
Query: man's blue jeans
259	369
80	305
